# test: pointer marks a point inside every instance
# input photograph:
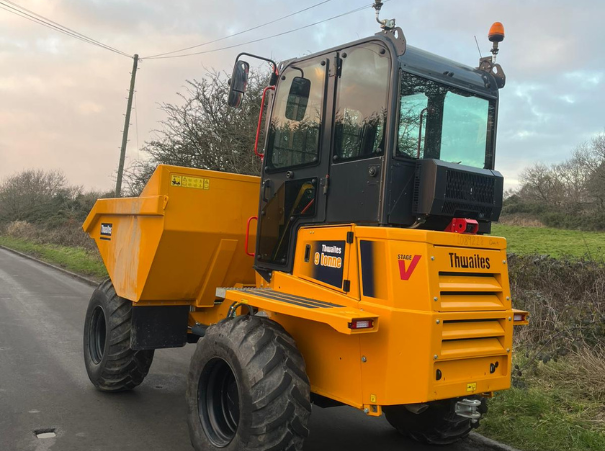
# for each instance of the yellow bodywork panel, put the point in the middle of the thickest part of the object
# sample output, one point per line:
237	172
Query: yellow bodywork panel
180	239
442	302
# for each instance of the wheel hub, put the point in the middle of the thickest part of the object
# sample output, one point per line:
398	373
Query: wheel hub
218	402
97	334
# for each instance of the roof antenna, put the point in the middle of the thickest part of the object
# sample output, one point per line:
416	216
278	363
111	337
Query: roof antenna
385	24
478	49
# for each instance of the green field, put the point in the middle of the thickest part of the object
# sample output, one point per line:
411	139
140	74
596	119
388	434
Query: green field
553	242
73	259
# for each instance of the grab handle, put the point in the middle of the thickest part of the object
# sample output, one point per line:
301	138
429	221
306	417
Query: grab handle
248	235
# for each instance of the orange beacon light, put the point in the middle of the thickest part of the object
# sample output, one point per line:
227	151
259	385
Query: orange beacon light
496	32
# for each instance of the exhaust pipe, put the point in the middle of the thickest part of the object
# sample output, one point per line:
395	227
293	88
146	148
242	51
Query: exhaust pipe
416	408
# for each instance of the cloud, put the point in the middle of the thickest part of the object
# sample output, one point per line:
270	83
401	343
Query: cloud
62	101
586	79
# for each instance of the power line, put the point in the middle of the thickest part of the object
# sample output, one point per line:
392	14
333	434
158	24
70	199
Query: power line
41	20
23	12
58	27
267	37
240	32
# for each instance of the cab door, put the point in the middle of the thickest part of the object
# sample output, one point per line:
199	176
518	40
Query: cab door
360	134
296	162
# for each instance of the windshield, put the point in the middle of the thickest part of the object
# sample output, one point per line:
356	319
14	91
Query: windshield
438	121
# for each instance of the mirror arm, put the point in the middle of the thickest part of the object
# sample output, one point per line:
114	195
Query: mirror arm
275	72
260	120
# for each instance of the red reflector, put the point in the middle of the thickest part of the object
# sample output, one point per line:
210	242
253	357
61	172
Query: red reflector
361	324
519	317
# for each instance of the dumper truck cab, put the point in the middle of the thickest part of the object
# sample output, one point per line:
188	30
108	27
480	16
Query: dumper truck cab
376	132
372	282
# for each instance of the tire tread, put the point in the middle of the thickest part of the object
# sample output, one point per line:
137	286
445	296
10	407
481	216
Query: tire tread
279	387
121	368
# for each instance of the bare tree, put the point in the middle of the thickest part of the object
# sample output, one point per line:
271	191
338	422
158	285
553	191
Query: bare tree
571	193
29	195
204	132
596	182
541	184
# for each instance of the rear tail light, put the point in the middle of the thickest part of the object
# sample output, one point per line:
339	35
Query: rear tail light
520	318
361	324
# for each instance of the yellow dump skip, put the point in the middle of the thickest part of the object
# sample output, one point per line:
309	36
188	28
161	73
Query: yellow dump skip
180	239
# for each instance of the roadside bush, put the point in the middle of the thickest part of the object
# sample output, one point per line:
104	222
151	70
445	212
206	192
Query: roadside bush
520	220
69	234
21	229
566	301
557	399
582	372
41	207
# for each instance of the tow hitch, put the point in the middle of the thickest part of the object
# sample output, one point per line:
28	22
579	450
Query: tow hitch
468	408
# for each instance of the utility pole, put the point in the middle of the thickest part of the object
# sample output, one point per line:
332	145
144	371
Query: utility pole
126	124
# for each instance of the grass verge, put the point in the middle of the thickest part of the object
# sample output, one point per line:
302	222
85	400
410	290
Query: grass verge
552	409
75	259
553	242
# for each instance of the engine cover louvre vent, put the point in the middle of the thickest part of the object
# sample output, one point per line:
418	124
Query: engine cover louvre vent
453	190
469	187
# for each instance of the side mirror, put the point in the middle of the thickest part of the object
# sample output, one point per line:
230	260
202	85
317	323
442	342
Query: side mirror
238	83
298	98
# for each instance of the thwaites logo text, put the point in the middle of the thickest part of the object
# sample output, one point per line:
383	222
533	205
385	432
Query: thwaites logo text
331	261
407	265
328	262
475	261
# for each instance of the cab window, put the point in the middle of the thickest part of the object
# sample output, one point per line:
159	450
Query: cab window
294	130
361	106
443	122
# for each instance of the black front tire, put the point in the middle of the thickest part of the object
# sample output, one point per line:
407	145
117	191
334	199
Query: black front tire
247	388
110	363
437	425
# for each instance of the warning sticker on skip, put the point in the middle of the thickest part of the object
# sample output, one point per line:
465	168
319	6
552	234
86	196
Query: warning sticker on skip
186	181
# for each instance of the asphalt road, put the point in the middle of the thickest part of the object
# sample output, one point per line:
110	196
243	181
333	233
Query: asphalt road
43	382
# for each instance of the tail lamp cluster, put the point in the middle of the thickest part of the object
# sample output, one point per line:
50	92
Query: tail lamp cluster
357	324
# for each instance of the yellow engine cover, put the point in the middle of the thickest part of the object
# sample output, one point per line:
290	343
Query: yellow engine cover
442	305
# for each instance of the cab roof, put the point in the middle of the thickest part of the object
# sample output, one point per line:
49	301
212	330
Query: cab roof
425	64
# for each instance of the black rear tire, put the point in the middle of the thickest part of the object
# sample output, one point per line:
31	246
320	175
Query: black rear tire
437	425
110	363
247	388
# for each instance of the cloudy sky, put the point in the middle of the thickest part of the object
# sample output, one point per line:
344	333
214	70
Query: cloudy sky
62	101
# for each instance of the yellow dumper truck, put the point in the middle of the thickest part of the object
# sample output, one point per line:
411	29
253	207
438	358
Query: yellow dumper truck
357	270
